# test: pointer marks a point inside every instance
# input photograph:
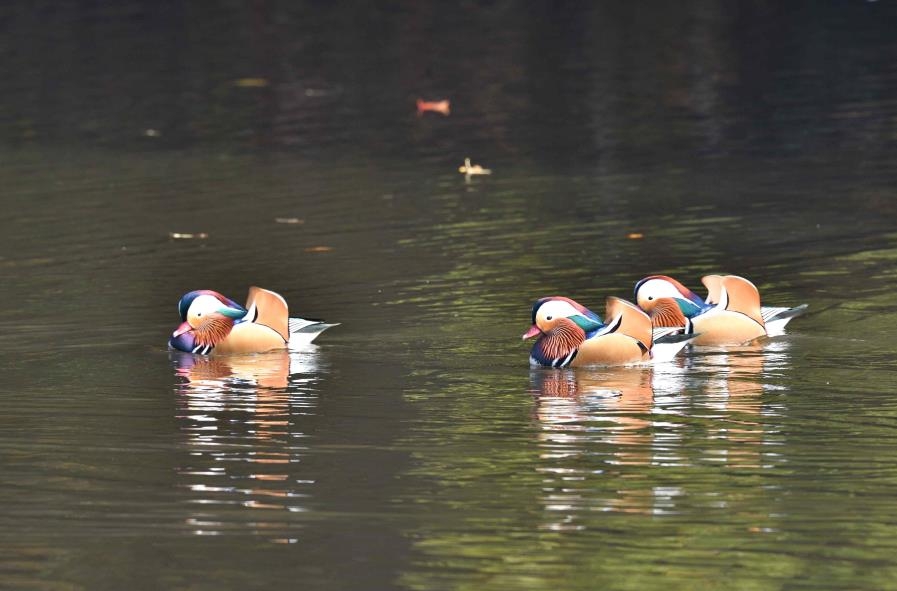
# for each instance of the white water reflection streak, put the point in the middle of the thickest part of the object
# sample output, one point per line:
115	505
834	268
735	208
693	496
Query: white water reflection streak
619	439
243	421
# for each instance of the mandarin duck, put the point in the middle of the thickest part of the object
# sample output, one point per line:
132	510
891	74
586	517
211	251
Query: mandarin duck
214	323
730	314
571	335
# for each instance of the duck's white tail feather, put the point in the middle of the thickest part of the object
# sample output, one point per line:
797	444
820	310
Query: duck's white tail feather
669	341
303	332
776	318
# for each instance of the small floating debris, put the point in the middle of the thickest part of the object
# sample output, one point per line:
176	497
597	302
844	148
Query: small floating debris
442	107
469	170
187	236
289	220
635	235
151	132
319	249
6	263
251	82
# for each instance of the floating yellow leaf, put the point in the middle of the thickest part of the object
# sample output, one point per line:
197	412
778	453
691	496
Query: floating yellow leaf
635	235
469	169
251	82
289	220
185	236
319	249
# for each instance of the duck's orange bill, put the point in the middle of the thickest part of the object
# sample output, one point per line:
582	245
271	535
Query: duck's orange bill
184	327
533	331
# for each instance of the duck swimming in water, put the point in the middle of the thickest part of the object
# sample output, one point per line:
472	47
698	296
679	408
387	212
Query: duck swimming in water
730	314
213	323
571	335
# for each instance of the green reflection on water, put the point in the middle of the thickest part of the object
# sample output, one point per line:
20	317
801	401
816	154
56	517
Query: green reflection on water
736	469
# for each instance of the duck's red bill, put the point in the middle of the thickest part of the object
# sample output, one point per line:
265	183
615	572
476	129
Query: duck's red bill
533	331
184	327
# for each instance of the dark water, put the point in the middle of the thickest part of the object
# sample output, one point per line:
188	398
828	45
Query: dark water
414	448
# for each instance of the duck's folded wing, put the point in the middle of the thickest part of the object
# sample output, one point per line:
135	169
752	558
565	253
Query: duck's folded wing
776	318
304	331
633	322
740	295
714	284
269	309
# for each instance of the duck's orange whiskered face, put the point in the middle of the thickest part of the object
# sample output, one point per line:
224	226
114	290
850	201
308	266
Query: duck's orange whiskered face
549	315
201	308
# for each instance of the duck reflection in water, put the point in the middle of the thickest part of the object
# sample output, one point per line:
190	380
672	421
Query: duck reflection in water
273	369
608	435
577	401
737	379
588	415
242	417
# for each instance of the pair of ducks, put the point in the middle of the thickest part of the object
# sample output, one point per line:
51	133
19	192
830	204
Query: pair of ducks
668	317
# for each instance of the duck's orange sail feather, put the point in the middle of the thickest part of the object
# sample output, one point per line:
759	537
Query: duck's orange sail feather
634	322
743	297
272	310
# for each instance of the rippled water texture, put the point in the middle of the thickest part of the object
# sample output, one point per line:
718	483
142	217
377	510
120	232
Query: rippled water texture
151	150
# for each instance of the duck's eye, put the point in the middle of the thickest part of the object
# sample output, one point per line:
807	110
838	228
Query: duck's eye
198	314
548	318
650	298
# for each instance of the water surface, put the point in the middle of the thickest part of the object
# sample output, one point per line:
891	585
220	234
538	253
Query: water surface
414	448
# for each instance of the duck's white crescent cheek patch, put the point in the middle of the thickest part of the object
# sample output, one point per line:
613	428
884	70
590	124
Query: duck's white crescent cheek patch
557	309
658	288
204	304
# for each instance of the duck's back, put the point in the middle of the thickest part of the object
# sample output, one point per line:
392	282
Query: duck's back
736	317
628	342
249	337
271	310
610	349
266	326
